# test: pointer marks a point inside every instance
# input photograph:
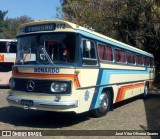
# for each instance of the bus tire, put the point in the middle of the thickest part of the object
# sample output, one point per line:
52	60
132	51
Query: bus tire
146	90
105	103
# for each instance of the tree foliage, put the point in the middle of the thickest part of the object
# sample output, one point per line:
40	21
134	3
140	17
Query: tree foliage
2	21
136	22
9	26
13	25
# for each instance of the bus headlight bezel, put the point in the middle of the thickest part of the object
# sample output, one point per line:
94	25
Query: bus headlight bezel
59	87
12	83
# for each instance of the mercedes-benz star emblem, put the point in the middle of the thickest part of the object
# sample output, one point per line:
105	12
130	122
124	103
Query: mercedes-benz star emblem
30	85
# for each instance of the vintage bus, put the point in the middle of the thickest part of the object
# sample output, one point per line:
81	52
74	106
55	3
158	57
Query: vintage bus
61	66
7	59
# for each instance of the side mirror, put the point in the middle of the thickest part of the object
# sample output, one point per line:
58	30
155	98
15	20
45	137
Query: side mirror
88	46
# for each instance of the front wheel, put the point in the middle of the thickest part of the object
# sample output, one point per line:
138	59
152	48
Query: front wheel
146	91
105	103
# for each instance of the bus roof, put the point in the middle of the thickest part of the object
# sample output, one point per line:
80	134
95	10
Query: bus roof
8	40
65	26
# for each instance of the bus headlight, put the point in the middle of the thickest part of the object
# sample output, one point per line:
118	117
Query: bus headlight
11	83
59	87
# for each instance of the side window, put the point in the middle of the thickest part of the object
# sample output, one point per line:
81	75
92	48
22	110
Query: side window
3	47
139	60
109	54
130	58
120	56
13	47
101	52
117	55
105	52
151	62
89	52
146	61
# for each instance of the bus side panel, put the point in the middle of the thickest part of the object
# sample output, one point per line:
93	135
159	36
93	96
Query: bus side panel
88	78
6	62
126	83
9	57
4	78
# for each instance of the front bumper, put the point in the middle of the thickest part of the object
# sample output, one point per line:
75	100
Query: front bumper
43	104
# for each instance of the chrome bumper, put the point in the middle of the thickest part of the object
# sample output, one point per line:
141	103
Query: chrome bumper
44	103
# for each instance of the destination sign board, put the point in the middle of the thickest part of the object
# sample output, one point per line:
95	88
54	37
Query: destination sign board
41	27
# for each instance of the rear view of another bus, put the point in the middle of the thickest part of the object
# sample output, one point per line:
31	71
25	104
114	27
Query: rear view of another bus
8	49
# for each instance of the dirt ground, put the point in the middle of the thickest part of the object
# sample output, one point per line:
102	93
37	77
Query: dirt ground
135	114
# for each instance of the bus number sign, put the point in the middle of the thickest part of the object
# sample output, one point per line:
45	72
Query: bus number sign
61	26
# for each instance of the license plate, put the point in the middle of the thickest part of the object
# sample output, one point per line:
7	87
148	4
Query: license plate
27	102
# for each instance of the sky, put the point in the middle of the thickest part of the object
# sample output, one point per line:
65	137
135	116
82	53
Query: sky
36	9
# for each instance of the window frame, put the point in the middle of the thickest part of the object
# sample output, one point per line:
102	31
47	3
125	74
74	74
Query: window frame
105	46
151	60
142	59
89	59
127	52
120	50
146	65
104	52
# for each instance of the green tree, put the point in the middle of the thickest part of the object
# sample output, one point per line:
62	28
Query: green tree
139	25
2	22
9	26
3	14
136	22
13	25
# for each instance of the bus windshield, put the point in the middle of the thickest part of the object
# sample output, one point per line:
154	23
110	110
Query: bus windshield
46	48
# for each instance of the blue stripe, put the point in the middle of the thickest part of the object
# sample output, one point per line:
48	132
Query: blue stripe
104	78
96	94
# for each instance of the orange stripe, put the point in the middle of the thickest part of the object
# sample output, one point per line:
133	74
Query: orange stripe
121	92
1	57
72	77
123	89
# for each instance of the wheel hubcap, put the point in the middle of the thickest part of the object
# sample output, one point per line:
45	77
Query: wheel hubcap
103	102
146	90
